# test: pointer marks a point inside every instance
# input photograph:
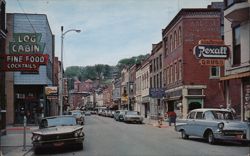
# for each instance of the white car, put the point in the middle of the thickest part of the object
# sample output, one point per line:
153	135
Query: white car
133	116
213	125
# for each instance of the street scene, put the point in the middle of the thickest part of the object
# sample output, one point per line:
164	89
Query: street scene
105	136
128	78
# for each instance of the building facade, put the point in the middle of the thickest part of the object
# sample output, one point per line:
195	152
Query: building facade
26	89
237	67
189	84
156	80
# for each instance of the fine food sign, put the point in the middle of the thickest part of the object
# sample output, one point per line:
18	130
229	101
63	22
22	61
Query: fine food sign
211	51
25	53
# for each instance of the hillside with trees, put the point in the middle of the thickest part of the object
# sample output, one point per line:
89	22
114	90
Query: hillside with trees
101	72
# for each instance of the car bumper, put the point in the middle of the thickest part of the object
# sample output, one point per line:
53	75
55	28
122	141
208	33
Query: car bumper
132	120
236	137
57	143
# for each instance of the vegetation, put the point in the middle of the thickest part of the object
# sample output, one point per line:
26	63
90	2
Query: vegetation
101	72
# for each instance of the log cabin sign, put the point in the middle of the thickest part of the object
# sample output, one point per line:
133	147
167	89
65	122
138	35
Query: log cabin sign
25	53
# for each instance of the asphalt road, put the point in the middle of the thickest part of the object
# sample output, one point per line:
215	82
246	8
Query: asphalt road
106	137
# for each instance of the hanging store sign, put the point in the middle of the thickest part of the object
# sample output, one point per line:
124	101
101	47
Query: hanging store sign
51	91
211	51
22	62
26	43
25	53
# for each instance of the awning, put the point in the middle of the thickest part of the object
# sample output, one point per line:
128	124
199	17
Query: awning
235	76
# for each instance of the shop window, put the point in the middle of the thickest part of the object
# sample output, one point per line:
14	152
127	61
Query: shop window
236	46
214	72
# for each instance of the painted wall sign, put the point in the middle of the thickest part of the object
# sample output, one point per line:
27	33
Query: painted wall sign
212	62
211	51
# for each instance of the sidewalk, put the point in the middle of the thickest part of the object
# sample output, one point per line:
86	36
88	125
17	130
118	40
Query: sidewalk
12	144
156	124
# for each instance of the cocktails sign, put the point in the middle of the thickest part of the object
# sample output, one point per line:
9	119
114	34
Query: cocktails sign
25	53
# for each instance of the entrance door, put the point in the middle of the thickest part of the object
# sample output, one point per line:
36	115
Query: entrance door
194	105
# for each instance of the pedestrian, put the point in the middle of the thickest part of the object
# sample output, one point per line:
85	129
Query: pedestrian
171	117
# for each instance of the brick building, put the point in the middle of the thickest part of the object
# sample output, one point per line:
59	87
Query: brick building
188	84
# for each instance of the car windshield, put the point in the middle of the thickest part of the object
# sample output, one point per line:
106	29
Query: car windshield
60	121
76	113
132	113
222	115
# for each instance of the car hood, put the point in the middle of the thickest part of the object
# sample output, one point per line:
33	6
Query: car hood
57	130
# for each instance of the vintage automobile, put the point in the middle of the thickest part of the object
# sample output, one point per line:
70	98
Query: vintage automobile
79	115
119	115
133	116
213	125
58	131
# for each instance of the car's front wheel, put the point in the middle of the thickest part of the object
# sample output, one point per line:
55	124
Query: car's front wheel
184	135
210	137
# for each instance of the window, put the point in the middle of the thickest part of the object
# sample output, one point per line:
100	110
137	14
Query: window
214	72
160	61
179	36
166	46
175	72
171	74
199	115
180	70
191	115
236	46
175	39
170	44
167	76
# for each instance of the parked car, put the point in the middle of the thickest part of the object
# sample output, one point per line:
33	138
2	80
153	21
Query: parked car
87	113
58	131
213	125
133	116
119	115
79	115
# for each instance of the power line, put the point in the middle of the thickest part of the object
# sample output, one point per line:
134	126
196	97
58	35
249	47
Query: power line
19	4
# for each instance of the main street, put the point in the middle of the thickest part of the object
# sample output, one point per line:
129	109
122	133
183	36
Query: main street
107	137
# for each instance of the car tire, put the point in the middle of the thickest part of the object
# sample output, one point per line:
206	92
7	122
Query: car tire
210	138
184	135
37	150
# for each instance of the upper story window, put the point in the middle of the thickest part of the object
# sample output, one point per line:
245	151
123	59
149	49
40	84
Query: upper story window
179	36
175	39
166	46
170	44
214	72
236	46
160	59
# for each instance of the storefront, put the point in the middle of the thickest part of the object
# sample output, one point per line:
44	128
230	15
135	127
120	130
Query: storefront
29	101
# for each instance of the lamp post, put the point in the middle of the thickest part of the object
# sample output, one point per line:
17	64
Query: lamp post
61	90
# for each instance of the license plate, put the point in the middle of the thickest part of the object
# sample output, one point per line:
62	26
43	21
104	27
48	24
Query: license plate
58	144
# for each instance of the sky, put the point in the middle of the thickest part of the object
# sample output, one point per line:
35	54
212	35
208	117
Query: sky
111	30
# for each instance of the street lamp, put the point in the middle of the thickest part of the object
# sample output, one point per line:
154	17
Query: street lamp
61	90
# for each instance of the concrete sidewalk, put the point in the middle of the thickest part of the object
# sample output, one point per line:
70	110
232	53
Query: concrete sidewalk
12	144
156	124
